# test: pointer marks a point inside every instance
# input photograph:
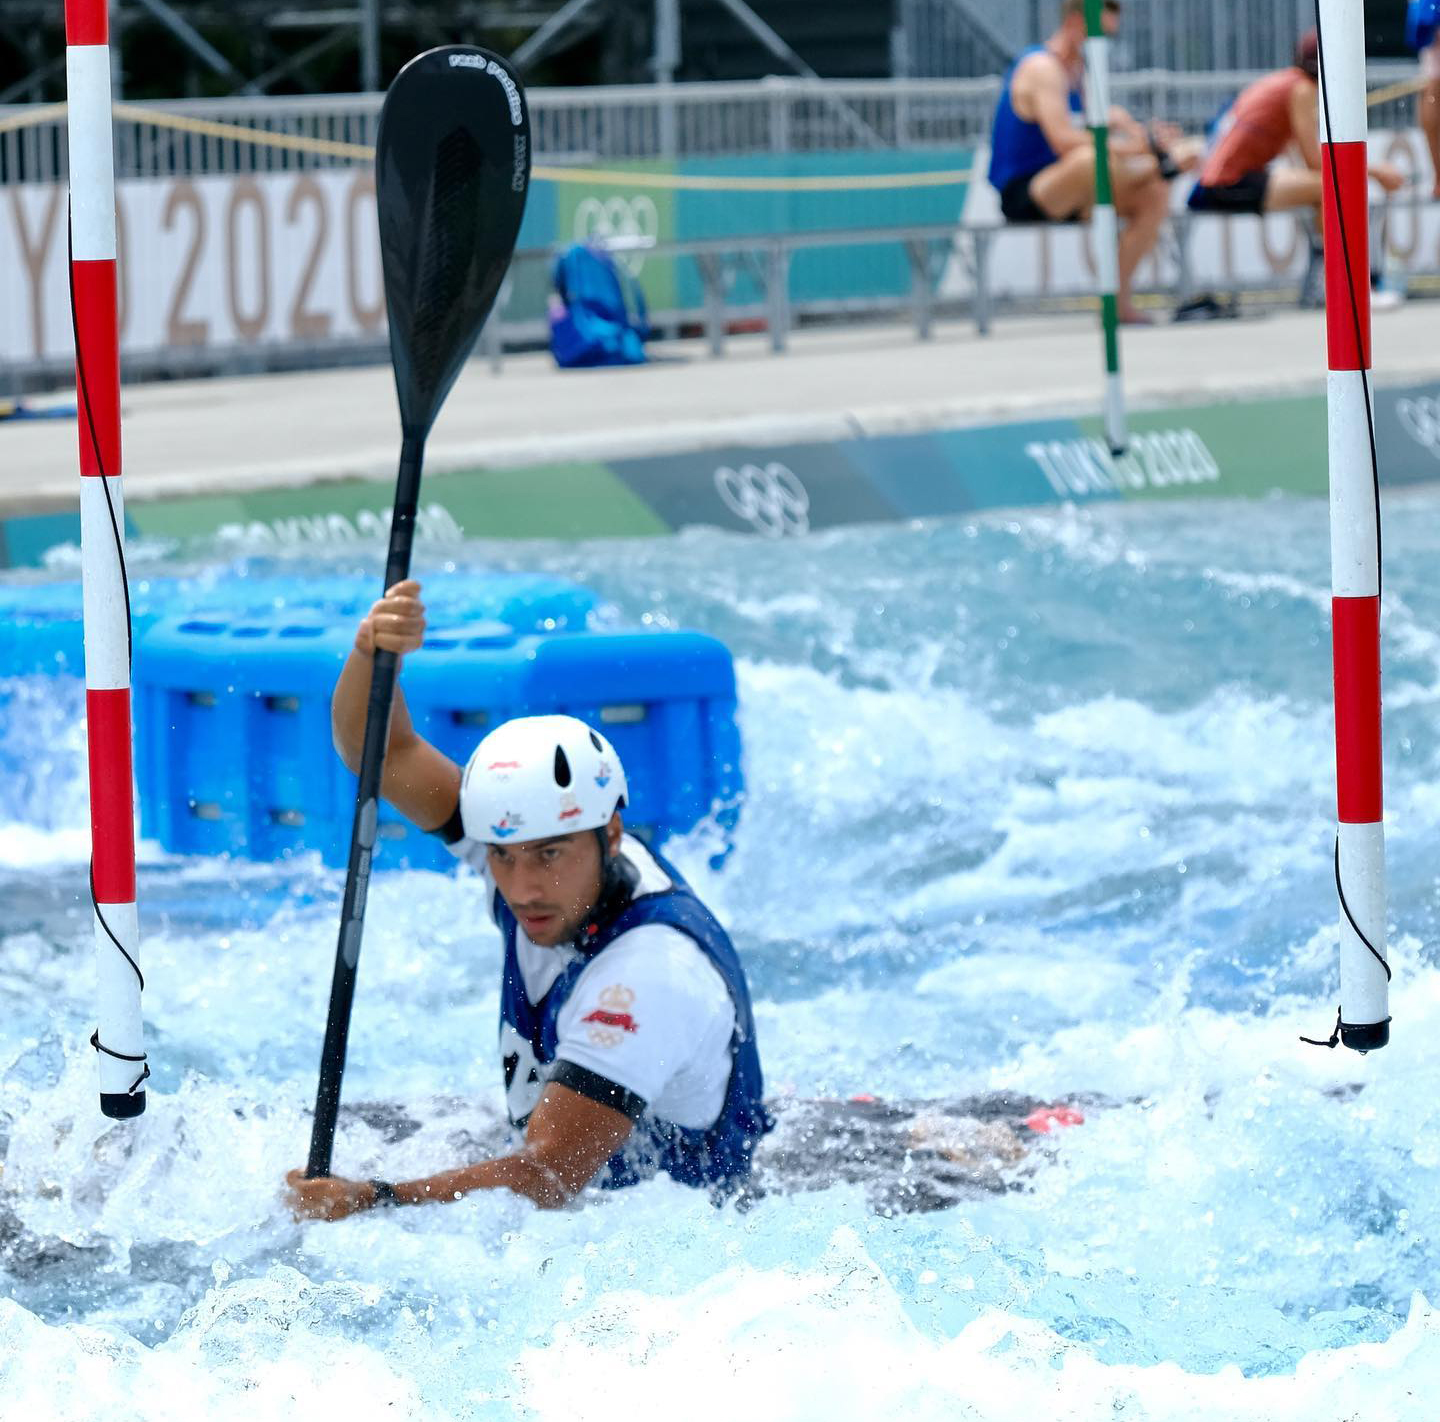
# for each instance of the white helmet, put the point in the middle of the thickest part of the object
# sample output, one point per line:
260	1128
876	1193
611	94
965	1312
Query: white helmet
538	776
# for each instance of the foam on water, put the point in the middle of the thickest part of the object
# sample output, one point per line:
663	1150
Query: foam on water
1035	804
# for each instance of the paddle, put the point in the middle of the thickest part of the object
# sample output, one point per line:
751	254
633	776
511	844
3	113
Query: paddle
452	168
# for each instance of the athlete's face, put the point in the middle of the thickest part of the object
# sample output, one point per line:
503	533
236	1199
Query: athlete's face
551	885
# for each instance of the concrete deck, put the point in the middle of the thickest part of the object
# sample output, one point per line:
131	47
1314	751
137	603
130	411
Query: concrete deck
221	436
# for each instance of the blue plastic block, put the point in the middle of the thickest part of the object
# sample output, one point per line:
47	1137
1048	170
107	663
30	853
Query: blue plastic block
666	701
234	748
233	734
41	631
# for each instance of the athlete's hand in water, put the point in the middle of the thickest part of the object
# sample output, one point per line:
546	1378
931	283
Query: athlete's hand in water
327	1197
395	624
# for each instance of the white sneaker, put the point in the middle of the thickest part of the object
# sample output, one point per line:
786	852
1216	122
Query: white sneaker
1385	298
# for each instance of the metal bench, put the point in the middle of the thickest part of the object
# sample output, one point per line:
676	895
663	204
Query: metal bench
765	258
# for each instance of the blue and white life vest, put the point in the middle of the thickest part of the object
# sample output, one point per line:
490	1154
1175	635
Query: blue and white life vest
715	1157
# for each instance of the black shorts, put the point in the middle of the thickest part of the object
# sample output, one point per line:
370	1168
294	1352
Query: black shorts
1020	208
1248	195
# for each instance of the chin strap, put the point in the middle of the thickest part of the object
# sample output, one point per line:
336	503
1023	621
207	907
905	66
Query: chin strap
618	880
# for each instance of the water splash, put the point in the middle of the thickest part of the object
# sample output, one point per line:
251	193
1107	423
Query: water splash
1035	804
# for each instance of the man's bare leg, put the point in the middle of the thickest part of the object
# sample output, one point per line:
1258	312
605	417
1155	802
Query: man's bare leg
1429	115
1142	201
1067	186
1289	188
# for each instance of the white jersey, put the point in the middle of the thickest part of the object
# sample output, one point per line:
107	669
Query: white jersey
651	1013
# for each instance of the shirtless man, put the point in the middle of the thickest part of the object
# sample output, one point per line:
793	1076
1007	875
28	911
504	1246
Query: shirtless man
1429	106
1042	158
1269	117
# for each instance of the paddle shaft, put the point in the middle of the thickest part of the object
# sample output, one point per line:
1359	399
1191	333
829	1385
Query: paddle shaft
362	835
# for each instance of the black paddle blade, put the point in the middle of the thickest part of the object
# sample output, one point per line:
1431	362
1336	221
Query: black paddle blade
452	170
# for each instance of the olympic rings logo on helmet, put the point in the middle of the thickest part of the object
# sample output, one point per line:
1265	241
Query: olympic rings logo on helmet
771	498
1421	419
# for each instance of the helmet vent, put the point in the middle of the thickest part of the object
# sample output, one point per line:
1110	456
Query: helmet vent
597	743
562	768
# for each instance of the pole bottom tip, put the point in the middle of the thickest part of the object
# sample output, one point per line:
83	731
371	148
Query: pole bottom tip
1365	1036
122	1105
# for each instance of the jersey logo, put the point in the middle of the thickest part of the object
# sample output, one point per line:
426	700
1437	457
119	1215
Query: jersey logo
622	1020
612	1018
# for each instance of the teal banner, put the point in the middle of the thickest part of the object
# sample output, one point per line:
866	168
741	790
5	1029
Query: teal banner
780	492
836	274
1232	449
634	214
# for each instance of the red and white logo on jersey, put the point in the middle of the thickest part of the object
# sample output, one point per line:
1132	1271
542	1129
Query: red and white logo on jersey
612	1020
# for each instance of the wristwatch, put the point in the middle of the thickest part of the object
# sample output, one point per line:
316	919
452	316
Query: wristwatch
385	1196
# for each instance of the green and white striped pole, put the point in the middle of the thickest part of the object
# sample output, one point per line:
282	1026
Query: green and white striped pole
1103	226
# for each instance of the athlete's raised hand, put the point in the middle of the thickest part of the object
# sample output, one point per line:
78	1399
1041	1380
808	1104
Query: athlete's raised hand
394	624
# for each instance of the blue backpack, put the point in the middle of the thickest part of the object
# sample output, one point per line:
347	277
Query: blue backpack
603	319
1422	20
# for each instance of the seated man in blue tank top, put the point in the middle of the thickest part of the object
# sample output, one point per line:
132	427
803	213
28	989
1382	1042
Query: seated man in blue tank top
627	1043
1042	157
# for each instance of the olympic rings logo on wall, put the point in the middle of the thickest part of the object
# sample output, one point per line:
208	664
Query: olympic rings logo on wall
770	498
602	219
1421	418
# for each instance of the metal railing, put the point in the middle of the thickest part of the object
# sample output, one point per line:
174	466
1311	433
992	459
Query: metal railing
745	285
969	37
589	125
763	262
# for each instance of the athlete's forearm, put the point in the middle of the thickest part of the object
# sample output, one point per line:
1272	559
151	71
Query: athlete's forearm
348	706
1126	131
1068	137
1129	145
521	1173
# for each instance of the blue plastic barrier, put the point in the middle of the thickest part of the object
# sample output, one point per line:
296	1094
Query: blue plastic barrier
233	744
40	622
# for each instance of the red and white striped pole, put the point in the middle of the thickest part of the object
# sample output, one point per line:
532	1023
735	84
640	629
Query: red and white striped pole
119	1039
1354	528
